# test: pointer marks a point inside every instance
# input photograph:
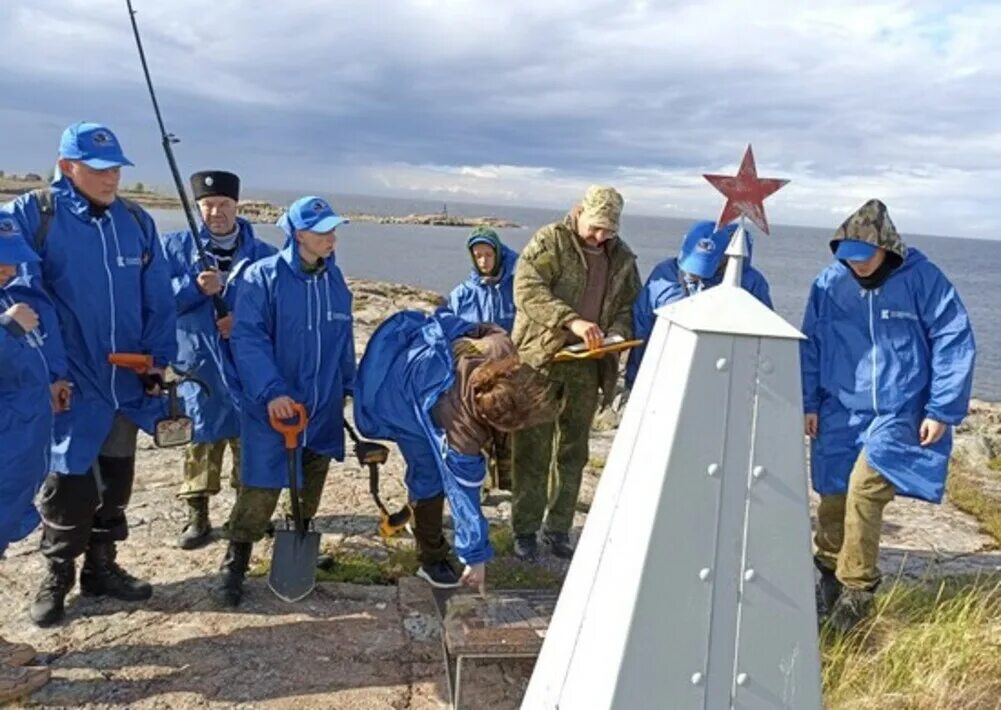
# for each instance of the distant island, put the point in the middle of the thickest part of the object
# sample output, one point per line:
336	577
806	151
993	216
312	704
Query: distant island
256	211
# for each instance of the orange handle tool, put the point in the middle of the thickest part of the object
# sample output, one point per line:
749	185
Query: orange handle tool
291	430
137	362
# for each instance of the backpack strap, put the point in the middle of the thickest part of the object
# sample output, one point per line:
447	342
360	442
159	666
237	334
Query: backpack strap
46	209
137	214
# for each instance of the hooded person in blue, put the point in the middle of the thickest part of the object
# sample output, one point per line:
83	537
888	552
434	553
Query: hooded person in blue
487	296
887	370
699	265
104	269
31	361
29	339
439	387
293	343
29	342
203	341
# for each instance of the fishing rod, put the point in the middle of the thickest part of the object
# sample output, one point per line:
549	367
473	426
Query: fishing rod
221	310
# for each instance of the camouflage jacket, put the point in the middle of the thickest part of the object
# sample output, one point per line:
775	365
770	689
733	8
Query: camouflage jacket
548	283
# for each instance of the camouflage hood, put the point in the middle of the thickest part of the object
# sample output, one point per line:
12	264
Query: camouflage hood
871	224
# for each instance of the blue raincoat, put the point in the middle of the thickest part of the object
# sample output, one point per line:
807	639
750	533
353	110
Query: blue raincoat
875	364
200	349
666	284
108	280
293	335
481	299
407	366
29	363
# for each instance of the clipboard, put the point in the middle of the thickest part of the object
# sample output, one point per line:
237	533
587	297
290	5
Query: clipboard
610	345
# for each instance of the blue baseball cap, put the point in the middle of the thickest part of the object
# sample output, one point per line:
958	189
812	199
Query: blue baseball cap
854	250
314	214
94	145
704	248
13	248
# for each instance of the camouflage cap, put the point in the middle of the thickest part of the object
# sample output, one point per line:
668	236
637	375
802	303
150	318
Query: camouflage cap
602	206
871	224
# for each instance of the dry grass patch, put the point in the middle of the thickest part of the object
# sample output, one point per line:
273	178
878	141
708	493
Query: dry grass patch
929	648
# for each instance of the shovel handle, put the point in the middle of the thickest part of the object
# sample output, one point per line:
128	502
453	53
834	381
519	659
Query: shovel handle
291	431
137	362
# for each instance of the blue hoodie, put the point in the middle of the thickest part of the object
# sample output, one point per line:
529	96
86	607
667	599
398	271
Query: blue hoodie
407	366
487	299
108	280
200	349
28	365
293	335
875	364
666	284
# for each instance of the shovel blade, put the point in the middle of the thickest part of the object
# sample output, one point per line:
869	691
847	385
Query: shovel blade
293	564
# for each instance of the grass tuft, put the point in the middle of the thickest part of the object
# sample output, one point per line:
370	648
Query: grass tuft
503	572
928	648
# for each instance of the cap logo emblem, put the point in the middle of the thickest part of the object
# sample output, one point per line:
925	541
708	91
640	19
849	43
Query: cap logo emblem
706	246
7	228
209	181
319	206
102	138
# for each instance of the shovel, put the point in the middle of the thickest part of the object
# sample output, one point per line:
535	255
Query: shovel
293	559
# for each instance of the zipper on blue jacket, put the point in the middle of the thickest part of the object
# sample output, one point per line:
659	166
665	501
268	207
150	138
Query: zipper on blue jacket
111	301
319	352
872	336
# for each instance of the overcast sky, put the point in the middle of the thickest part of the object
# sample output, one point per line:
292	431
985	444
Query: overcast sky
527	102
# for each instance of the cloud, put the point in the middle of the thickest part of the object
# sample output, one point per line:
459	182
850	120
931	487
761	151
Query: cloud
530	102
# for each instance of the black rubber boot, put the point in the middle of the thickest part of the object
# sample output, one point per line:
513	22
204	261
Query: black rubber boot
198	530
48	608
101	576
234	569
559	544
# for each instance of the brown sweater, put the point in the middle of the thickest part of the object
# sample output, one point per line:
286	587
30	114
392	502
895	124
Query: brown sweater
593	297
455	411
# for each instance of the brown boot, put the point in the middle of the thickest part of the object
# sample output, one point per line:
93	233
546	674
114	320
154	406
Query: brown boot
15	654
18	682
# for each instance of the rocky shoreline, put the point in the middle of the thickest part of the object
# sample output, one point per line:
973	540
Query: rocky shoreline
353	646
263	212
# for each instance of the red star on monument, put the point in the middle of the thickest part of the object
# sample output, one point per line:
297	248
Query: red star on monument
745	193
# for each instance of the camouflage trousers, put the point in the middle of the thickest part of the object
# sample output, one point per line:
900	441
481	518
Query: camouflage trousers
203	468
499	463
549	459
849	527
251	514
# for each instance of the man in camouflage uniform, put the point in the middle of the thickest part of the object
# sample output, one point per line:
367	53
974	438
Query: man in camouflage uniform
576	281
